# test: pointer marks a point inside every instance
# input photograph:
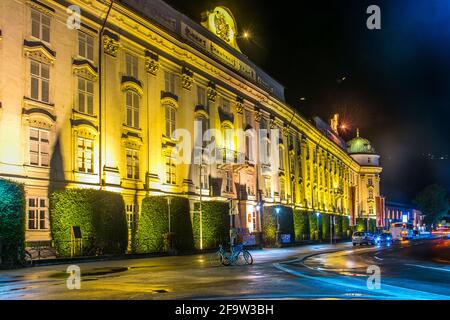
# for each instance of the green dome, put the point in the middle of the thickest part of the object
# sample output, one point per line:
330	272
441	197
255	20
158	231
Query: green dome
359	145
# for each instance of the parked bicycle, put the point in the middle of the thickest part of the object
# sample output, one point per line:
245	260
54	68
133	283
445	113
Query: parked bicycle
238	256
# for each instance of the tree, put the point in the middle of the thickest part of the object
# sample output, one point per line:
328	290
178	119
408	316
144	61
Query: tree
433	202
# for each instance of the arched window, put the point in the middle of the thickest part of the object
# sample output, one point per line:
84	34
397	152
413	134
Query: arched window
132	108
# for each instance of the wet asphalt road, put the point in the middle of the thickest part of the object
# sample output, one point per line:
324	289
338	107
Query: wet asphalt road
416	270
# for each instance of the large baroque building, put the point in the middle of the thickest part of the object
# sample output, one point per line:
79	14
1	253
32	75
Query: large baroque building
86	107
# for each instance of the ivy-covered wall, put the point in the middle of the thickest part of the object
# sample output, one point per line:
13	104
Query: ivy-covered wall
153	225
269	224
215	224
12	222
301	225
100	215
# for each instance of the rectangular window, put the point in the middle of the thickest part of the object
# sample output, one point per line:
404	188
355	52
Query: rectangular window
39	147
228	182
85	155
204	178
281	158
248	148
85	96
39	81
85	46
370	194
201	96
170	171
132	109
170	120
40	25
132	211
132	164
225	105
169	79
37	213
131	65
282	189
370	181
267	187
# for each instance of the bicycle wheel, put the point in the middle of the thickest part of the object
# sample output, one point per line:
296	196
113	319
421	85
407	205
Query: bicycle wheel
248	257
225	260
215	259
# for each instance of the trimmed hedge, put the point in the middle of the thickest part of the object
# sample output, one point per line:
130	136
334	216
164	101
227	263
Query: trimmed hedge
153	225
325	226
361	225
215	224
346	228
12	222
269	220
338	227
301	225
100	215
314	226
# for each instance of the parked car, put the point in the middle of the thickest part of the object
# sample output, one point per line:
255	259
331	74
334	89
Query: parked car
363	238
384	237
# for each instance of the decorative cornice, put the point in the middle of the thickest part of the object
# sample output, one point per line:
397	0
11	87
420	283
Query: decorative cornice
83	122
37	50
165	95
33	116
41	7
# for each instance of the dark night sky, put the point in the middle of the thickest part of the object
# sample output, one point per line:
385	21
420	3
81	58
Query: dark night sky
398	78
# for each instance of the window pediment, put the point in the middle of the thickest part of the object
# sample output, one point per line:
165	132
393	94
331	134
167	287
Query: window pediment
39	118
130	83
83	123
38	51
85	69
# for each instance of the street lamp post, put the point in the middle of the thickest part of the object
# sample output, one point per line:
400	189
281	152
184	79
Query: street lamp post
317	215
278	233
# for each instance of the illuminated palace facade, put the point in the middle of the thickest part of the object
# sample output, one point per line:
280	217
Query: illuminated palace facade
86	108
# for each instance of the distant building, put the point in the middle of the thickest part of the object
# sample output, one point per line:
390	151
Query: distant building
401	212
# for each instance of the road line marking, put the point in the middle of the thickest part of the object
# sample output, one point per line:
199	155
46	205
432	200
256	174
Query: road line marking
425	267
392	291
378	258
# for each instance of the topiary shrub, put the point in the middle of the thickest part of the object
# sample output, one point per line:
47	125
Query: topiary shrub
314	226
361	224
301	225
338	227
325	219
152	225
286	220
181	223
12	222
100	215
215	224
346	228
